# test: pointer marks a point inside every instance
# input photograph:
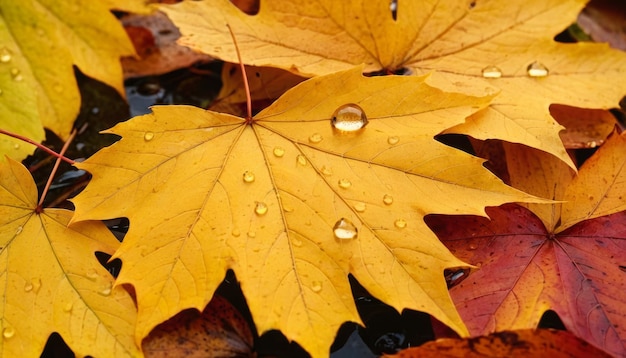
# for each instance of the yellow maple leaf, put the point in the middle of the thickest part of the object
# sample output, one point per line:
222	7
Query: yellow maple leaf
51	280
509	44
40	41
292	203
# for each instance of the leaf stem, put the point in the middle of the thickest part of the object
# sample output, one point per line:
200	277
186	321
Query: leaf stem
60	156
38	145
245	77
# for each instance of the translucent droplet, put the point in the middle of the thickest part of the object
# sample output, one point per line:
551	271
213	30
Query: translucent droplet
36	284
393	140
360	207
16	75
316	286
251	234
19	230
344	183
301	160
472	247
92	274
591	144
491	72
235	232
400	223
5	55
28	286
8	332
68	307
326	171
16	146
261	208
296	242
344	229
537	69
387	199
279	152
248	176
349	118
148	136
105	290
315	138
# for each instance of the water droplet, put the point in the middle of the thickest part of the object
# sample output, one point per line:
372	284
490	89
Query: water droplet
316	286
16	146
16	75
315	138
472	247
68	307
105	290
591	144
296	242
36	284
349	118
360	207
148	136
5	55
400	223
537	69
251	234
279	152
344	229
491	72
326	171
8	332
92	274
344	183
261	208
236	232
28	286
248	176
393	140
387	199
19	230
301	160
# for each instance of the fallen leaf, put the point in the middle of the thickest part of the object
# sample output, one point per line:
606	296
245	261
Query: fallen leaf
584	128
604	21
41	41
292	204
521	343
51	280
509	45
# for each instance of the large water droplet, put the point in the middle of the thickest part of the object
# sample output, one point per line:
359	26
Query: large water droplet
393	140
349	118
105	290
387	199
260	208
5	55
301	160
316	286
315	138
8	332
400	223
491	72
16	75
279	152
344	229
344	183
537	69
148	136
360	207
248	176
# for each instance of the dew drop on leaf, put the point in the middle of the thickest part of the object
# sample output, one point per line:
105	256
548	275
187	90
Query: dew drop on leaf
92	274
260	208
316	286
8	332
16	146
349	118
68	307
248	176
16	75
301	160
537	69
326	171
148	136
19	230
5	55
251	234
315	138
360	207
491	72
296	242
105	290
235	232
472	247
393	140
36	284
28	286
400	223
387	199
344	229
279	152
344	183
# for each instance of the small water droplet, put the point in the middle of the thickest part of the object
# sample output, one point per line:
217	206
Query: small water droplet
148	136
248	176
16	75
36	284
251	234
472	247
105	290
5	55
315	138
68	307
260	208
236	232
537	69
19	230
491	72
301	160
344	183
400	223
8	332
349	118
16	146
296	242
92	274
393	140
316	286
279	152
360	207
344	229
591	144
326	171
387	199
28	286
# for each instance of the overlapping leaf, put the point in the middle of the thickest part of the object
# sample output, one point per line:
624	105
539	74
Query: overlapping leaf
460	39
206	192
40	41
566	257
51	280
